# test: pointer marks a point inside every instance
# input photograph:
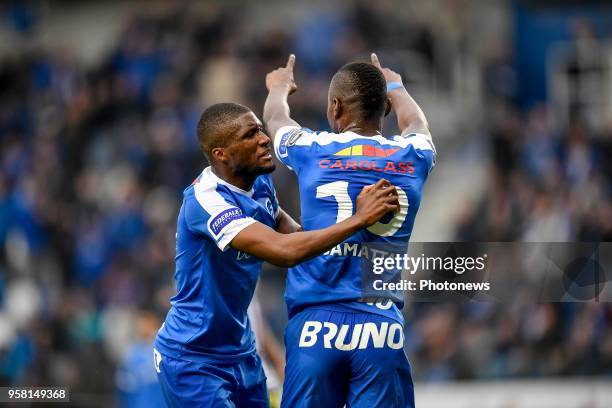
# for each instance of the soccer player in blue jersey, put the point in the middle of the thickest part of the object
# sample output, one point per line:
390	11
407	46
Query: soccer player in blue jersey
341	347
228	223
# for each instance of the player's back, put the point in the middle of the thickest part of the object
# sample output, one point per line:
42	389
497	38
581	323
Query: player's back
332	169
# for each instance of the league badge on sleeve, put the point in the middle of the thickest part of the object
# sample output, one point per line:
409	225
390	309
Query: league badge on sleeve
289	139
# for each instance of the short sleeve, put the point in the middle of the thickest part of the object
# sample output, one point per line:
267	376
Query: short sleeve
423	146
292	145
210	214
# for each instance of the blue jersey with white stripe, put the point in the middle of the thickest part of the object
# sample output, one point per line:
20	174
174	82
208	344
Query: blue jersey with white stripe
332	169
214	282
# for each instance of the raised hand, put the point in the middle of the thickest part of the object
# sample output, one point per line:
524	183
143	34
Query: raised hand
283	77
374	201
390	76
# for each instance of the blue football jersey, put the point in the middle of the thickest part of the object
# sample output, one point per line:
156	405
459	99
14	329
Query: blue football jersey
332	169
214	282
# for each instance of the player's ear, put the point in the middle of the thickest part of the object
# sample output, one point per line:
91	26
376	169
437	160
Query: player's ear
336	108
388	106
219	154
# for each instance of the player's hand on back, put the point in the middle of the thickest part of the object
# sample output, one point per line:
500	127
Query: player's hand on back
376	200
390	76
282	77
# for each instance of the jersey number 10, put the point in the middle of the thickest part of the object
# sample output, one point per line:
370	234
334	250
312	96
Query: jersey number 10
339	190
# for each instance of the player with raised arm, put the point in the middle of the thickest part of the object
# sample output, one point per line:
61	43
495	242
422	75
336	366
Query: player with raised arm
228	223
340	348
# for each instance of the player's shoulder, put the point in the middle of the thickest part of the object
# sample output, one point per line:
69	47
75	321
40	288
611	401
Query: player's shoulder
290	136
304	136
210	204
419	146
293	136
422	141
206	194
301	136
203	184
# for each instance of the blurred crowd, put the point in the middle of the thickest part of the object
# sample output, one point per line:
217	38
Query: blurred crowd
545	183
523	338
93	162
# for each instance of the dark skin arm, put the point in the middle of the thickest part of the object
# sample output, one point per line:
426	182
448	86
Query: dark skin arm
410	117
290	249
280	84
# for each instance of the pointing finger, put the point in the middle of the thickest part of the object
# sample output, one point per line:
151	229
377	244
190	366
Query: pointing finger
375	61
291	62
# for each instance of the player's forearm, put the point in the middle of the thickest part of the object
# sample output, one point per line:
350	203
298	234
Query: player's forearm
373	202
276	112
300	246
410	117
290	249
276	105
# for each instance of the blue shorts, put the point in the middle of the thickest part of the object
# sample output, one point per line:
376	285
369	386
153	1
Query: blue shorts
193	384
338	356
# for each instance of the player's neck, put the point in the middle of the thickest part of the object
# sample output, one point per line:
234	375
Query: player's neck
363	129
242	181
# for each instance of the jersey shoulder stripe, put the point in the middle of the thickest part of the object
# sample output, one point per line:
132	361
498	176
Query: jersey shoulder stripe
291	142
223	218
289	136
422	142
419	141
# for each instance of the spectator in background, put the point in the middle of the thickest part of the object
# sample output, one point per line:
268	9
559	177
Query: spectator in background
137	385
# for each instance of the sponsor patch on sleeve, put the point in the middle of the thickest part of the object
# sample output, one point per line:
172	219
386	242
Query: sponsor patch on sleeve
222	219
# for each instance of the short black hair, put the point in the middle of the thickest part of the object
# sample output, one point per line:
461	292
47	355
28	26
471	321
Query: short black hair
215	124
363	84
